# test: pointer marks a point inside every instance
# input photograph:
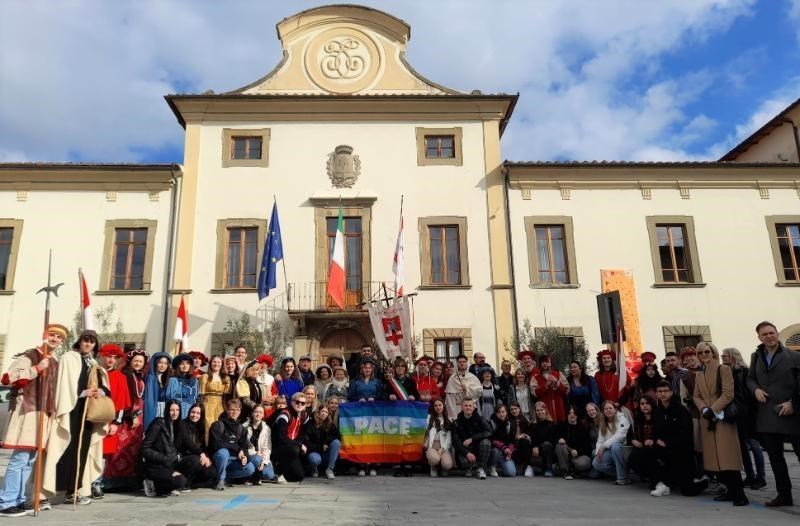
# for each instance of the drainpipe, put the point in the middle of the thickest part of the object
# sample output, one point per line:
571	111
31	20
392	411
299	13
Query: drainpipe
177	170
514	306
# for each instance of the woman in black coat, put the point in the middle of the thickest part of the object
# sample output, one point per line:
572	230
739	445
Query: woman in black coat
194	463
287	439
160	455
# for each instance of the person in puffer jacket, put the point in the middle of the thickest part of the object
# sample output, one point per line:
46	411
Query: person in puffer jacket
287	439
160	455
228	441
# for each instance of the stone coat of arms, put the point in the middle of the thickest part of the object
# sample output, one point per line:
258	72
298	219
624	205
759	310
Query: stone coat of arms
343	167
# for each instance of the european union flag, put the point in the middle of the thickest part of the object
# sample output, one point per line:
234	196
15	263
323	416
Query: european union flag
273	252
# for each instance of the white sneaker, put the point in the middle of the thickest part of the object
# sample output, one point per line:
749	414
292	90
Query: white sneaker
493	472
282	480
434	472
662	490
362	473
529	471
373	473
481	474
329	474
149	488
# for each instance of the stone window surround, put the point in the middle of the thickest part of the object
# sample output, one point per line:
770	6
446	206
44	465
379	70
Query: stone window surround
691	249
569	332
425	250
424	160
783	336
16	225
569	239
227	139
772	221
670	331
430	335
108	255
221	259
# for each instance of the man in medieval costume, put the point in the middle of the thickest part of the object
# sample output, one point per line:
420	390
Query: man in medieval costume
460	386
31	391
64	461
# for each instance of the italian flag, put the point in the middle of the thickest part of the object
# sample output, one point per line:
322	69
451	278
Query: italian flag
336	272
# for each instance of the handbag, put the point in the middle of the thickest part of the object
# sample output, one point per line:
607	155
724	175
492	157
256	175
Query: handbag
736	410
100	409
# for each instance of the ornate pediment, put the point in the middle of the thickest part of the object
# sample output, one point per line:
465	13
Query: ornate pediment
343	50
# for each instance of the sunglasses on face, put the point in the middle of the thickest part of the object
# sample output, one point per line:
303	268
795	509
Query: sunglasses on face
298	402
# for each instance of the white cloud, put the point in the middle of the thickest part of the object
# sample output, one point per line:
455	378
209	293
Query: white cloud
87	78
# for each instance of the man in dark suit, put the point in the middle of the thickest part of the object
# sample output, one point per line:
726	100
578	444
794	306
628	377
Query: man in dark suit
771	378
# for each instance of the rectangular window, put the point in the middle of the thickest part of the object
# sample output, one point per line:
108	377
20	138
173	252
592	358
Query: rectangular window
788	236
352	255
440	147
672	253
248	148
686	340
551	251
448	349
445	255
673	249
128	265
242	257
6	237
551	254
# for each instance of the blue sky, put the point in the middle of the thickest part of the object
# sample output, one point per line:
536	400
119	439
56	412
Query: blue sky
617	79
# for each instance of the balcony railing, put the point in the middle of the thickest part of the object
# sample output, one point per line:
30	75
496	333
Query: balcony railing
313	296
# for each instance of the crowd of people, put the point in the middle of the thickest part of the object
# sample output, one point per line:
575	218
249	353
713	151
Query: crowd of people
117	419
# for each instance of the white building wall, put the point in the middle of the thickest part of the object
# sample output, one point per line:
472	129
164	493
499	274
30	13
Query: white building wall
610	233
298	153
72	224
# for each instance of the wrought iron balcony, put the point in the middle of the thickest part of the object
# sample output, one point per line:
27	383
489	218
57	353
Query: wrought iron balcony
313	296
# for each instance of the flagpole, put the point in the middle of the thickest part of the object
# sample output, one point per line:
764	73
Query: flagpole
283	263
80	297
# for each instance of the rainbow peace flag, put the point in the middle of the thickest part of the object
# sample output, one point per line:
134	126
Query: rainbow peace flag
382	432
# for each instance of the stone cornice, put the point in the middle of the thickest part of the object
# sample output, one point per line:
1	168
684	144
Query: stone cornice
97	177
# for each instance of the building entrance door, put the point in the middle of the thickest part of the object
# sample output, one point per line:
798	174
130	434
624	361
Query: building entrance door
341	342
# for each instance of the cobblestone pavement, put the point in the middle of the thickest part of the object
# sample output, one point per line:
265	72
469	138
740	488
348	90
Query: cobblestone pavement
420	500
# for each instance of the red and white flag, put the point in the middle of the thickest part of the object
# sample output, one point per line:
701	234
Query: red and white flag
182	327
86	308
336	276
399	257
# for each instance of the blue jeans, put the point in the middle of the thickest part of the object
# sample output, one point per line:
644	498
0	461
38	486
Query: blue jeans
613	462
328	457
268	472
753	446
18	472
508	467
231	467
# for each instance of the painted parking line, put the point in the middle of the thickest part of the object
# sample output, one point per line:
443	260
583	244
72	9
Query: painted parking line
240	500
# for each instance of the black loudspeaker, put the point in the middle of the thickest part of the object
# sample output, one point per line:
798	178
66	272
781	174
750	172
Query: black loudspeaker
609	310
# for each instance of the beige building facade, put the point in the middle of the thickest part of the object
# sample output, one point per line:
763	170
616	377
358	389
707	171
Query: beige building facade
345	119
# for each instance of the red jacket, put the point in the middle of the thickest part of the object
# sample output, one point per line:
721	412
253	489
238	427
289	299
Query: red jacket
121	395
553	395
428	384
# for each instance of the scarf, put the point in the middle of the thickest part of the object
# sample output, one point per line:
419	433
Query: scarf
398	388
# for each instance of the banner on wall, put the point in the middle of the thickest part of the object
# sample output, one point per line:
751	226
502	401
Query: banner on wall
622	281
382	432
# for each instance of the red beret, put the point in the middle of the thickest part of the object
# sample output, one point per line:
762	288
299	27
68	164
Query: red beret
688	351
606	352
110	349
423	358
197	355
648	356
523	354
265	359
